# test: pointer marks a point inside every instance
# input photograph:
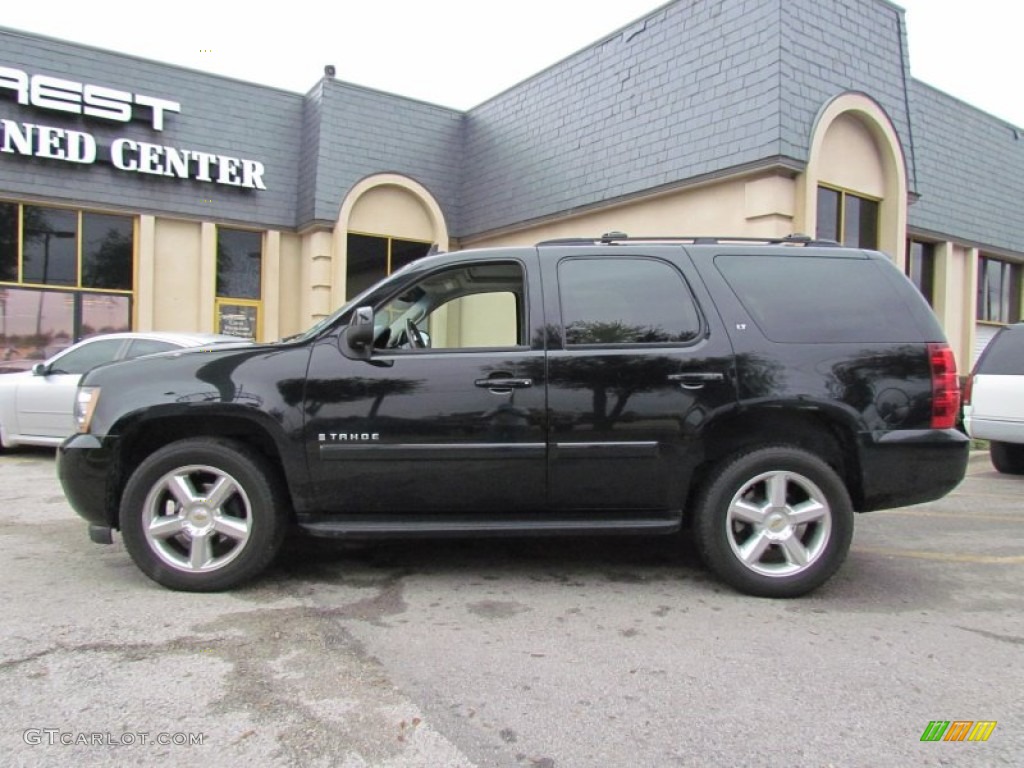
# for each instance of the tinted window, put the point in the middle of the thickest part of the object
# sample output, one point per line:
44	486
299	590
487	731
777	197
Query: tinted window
87	356
50	249
104	313
141	347
828	214
625	301
367	262
1004	355
860	223
816	299
107	245
921	268
8	242
239	256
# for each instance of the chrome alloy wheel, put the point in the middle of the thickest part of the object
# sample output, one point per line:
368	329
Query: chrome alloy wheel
197	518
779	523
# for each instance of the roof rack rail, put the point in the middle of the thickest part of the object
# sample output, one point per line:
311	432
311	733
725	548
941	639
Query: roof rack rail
610	238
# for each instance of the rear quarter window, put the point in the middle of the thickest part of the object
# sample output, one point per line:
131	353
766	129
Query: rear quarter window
808	299
1004	355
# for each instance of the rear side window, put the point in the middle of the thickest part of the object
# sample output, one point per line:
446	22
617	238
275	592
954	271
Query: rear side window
625	301
806	299
1004	355
142	347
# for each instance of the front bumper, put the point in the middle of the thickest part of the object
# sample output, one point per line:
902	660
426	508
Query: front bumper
911	466
87	472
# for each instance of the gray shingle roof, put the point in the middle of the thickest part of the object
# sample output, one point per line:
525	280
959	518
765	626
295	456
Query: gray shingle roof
970	174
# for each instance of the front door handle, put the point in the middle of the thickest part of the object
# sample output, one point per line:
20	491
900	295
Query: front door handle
504	383
695	379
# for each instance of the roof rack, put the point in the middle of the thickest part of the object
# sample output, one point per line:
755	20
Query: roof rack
621	237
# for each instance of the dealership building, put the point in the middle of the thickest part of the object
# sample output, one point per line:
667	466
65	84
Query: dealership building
139	195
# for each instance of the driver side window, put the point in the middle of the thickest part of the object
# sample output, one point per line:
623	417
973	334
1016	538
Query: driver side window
468	307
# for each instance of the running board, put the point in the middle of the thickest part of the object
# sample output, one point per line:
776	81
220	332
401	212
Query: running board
395	526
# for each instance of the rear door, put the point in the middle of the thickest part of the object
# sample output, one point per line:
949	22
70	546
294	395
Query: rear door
638	362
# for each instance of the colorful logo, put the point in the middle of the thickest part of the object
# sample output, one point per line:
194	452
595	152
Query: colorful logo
958	730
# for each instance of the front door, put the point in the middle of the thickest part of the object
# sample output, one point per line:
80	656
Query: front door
448	415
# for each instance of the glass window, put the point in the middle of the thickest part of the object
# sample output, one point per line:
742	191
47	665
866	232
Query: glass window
87	356
847	218
625	301
238	318
9	242
107	251
774	290
371	258
1004	355
921	268
34	324
42	322
367	262
103	313
471	307
860	229
405	252
829	224
239	263
50	250
140	347
999	287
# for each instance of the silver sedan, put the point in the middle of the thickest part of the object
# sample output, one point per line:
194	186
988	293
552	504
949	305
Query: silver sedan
36	405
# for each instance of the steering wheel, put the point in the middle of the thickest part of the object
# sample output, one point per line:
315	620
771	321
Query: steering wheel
416	340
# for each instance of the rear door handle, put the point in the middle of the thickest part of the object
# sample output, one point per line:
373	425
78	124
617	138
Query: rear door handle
695	379
504	383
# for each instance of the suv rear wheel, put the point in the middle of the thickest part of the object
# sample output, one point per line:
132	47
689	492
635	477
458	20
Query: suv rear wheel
774	522
1007	457
203	515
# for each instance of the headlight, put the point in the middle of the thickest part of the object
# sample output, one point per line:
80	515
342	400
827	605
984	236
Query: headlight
85	405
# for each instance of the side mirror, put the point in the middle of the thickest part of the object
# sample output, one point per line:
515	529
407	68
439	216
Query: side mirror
39	369
360	331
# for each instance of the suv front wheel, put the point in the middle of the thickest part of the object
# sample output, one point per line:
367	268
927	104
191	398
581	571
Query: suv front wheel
774	522
203	515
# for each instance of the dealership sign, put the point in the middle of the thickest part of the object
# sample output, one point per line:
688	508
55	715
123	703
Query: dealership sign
102	103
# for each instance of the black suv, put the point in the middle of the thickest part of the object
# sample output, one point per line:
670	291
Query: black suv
754	393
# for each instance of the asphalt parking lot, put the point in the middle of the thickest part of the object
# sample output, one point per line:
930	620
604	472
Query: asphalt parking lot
519	653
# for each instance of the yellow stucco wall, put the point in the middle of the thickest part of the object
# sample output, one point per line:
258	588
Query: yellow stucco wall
177	275
754	206
290	320
850	158
393	211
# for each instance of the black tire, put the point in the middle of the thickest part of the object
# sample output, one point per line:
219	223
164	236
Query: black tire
203	514
737	493
1007	457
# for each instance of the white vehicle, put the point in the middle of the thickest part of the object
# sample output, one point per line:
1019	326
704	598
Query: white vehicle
36	406
994	399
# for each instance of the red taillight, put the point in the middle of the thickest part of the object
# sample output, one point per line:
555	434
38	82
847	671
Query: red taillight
945	386
968	390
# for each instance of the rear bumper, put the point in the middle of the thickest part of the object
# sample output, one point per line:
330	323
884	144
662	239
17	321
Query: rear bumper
911	466
85	467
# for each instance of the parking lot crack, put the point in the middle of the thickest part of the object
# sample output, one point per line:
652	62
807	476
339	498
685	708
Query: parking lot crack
1012	639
